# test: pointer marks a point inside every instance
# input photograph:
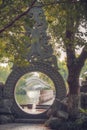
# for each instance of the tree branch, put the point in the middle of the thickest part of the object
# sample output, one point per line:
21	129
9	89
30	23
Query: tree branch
83	56
24	13
17	18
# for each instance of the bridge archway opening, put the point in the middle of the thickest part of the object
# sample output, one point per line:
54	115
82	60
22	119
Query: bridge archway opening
34	92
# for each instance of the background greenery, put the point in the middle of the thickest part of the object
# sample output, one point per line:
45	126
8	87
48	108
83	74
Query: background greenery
5	71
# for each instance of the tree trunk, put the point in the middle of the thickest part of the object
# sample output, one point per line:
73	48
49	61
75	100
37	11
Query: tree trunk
74	65
73	106
74	92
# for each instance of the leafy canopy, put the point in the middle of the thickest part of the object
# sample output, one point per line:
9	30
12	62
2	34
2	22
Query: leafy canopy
68	19
65	18
13	39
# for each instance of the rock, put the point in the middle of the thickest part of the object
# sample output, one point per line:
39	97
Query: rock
84	124
62	115
83	89
1	89
6	119
57	106
1	103
84	100
65	101
7	105
5	111
53	123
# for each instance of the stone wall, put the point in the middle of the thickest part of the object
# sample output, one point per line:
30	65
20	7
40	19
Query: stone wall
1	97
84	96
8	106
5	112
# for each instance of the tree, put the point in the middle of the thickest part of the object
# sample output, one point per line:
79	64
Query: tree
12	29
65	20
65	23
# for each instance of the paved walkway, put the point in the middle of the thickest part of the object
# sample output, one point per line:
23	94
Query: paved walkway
23	126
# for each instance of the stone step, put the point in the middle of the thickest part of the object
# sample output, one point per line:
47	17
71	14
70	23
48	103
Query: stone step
34	121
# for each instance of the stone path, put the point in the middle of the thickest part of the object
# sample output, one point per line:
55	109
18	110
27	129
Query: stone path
23	126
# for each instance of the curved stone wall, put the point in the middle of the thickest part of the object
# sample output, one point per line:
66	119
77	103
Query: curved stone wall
16	75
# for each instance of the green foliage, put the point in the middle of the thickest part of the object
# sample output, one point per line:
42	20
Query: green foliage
66	22
21	92
67	16
84	69
14	42
4	72
84	111
46	79
63	69
22	99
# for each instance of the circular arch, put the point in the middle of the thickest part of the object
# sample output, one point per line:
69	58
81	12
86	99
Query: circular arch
18	72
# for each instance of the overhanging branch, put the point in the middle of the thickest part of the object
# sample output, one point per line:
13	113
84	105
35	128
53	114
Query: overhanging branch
24	13
17	18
